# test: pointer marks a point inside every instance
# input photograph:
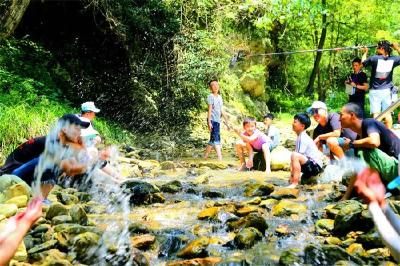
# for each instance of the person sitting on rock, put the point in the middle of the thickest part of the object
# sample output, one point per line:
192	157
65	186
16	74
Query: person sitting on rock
328	135
52	154
88	113
272	132
306	158
252	139
377	145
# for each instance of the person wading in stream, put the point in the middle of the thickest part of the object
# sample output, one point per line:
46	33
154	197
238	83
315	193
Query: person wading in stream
377	145
215	112
382	65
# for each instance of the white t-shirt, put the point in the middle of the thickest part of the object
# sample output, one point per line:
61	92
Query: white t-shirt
306	146
217	103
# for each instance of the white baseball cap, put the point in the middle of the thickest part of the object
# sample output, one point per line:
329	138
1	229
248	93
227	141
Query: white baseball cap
89	107
317	105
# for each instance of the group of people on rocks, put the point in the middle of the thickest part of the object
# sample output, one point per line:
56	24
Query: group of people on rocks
337	135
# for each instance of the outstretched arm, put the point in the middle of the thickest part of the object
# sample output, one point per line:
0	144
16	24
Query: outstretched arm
16	228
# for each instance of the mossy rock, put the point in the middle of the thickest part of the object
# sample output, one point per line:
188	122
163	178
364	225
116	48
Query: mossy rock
78	215
285	193
370	240
246	210
212	194
172	187
21	254
247	237
348	217
56	209
327	255
20	201
45	246
82	244
208	214
214	165
8	210
290	257
287	208
324	226
12	186
195	249
252	220
167	165
67	199
253	190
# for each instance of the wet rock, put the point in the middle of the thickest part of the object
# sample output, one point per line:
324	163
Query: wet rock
324	226
348	217
172	187
51	257
12	186
290	144
395	205
157	198
8	210
268	203
246	210
370	240
63	239
223	216
67	199
214	165
254	201
21	254
327	255
138	228
378	254
287	208
348	241
198	171
167	165
253	190
252	220
28	241
143	241
83	196
202	179
48	235
78	215
212	194
82	244
195	249
366	221
76	229
56	209
169	243
40	229
282	230
20	201
139	259
345	263
45	246
247	237
208	214
290	257
285	193
140	192
333	241
280	159
94	208
355	249
209	261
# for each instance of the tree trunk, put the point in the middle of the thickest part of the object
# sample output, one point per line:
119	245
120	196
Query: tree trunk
11	12
321	42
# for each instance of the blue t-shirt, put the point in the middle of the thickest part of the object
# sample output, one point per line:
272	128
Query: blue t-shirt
381	71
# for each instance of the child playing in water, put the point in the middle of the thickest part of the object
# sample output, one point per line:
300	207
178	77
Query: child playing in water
306	158
252	139
215	111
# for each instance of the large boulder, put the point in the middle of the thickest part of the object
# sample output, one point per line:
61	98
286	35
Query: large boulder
280	159
348	217
327	255
195	249
247	237
12	186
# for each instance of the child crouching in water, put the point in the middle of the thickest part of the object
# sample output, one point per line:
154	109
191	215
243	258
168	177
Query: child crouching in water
306	158
252	139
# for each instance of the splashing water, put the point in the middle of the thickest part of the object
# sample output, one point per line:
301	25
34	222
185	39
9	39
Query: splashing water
114	247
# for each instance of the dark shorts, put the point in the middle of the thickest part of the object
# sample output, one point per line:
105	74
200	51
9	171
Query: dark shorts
310	168
215	138
27	173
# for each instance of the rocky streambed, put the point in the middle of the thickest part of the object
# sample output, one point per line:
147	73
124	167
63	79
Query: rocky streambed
196	212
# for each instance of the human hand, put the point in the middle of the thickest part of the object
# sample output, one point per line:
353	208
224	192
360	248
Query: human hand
364	49
395	46
317	140
249	163
34	210
353	84
346	144
369	185
210	126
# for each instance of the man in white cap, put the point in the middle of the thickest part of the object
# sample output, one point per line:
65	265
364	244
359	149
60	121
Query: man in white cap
329	134
88	113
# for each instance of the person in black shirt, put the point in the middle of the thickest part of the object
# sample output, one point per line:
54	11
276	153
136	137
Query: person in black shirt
377	145
359	81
